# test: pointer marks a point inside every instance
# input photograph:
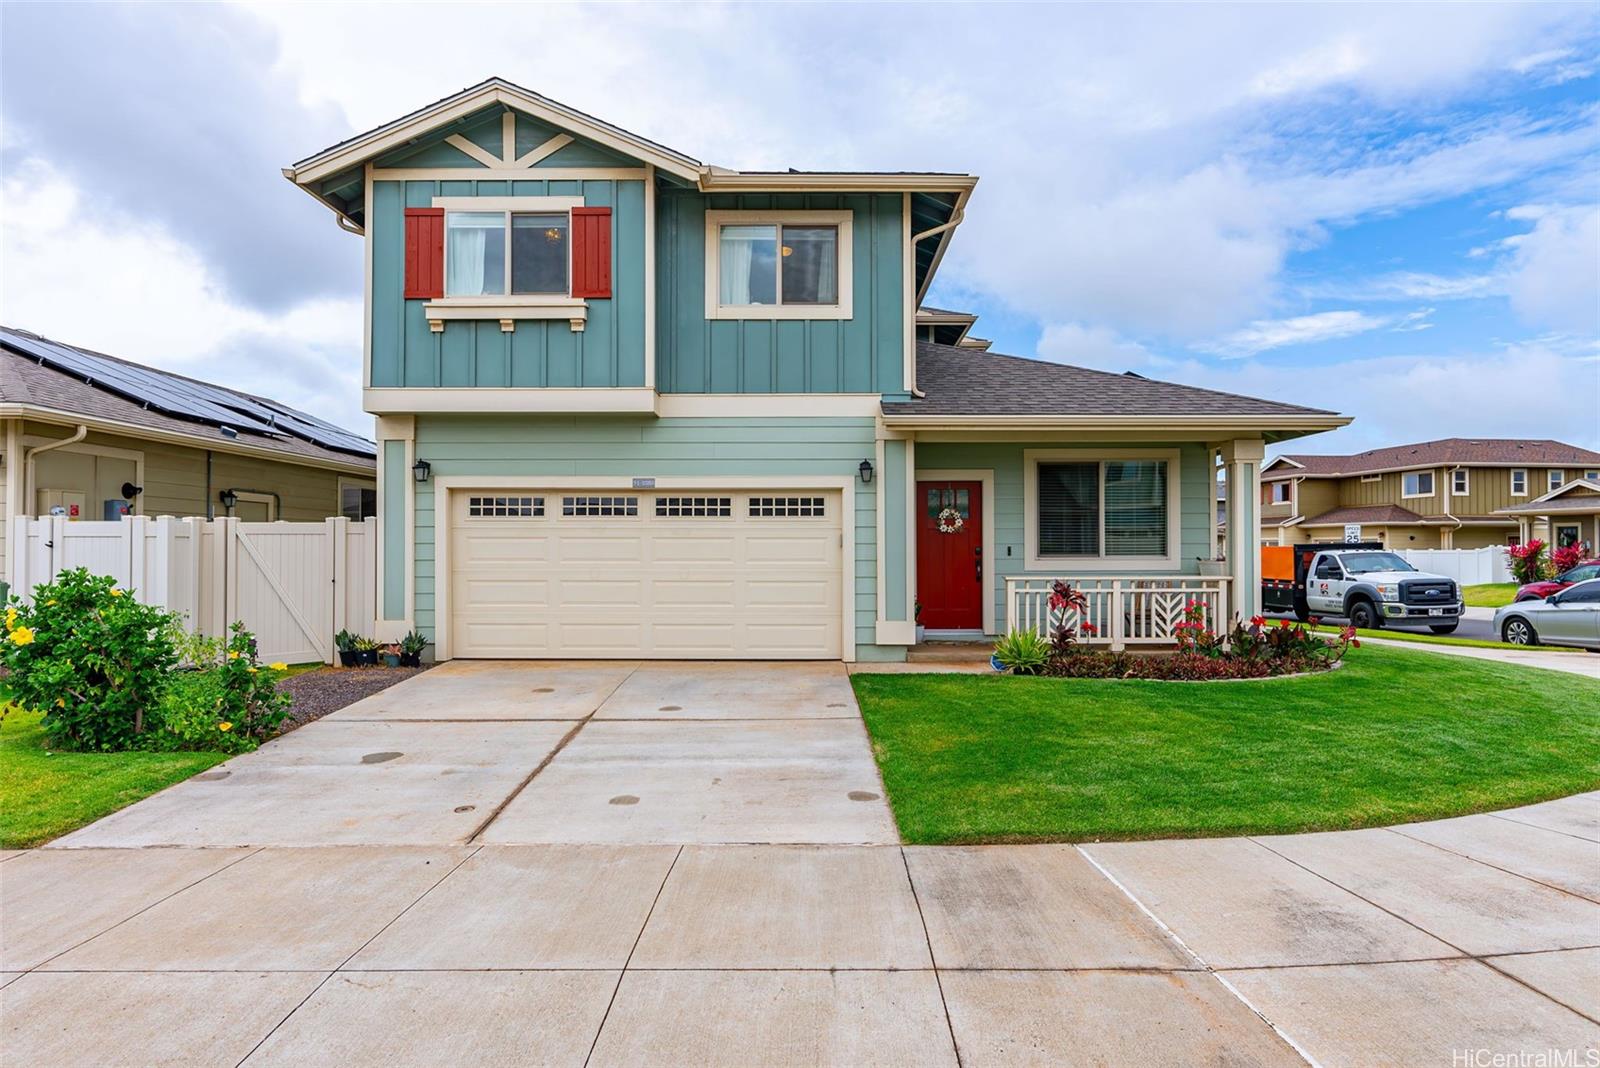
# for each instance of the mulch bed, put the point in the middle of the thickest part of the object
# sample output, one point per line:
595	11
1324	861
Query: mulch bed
328	689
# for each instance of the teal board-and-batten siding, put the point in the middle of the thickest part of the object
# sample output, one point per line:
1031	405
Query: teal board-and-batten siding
863	354
1196	499
394	476
609	351
501	446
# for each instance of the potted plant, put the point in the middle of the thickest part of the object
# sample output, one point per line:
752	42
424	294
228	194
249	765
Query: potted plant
1021	652
411	647
366	652
916	615
346	643
391	654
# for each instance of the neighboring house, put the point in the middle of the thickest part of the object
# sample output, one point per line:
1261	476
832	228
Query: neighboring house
1567	515
1448	494
632	405
89	436
949	328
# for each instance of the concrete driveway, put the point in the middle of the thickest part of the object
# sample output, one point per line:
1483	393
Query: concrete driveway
328	902
522	753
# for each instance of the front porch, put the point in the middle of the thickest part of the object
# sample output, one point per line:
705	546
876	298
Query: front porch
988	526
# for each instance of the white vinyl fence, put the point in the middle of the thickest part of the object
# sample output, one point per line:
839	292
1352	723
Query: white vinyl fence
1470	567
294	585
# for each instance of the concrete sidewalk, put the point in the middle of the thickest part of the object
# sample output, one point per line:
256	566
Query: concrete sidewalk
1401	946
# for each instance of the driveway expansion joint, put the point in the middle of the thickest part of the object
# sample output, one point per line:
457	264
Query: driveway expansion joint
1496	867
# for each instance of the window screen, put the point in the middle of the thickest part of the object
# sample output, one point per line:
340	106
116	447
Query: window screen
1136	508
1069	509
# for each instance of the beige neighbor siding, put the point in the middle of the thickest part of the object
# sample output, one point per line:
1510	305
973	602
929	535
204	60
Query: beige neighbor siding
1476	537
1397	537
175	478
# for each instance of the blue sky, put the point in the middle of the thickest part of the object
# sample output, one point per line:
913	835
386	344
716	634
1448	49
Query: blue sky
1391	210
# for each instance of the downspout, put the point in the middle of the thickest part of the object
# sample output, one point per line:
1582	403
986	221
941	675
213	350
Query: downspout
211	507
1449	499
28	455
916	239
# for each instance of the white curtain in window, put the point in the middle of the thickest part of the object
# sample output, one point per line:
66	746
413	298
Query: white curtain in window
467	239
828	270
734	258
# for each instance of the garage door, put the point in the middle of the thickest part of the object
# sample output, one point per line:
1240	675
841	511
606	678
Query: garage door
644	574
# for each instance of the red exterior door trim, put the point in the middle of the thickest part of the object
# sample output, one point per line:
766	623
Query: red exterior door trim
950	564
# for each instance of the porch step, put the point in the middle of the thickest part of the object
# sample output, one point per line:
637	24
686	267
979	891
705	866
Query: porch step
949	653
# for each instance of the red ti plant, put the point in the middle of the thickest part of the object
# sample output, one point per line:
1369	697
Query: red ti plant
1527	560
1066	602
1570	556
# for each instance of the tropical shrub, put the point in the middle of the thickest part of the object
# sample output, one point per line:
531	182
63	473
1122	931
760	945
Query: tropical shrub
1023	651
1065	604
1251	650
1528	561
1570	556
91	658
251	701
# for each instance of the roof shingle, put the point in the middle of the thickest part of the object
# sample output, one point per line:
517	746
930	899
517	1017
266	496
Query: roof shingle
1444	451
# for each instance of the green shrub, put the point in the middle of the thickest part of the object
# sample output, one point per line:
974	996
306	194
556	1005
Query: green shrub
251	700
1025	652
192	718
230	703
91	658
197	650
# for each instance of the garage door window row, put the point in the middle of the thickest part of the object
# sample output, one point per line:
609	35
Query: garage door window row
786	507
505	507
600	506
694	507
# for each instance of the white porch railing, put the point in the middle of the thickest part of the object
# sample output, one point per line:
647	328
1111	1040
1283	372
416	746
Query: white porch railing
1123	611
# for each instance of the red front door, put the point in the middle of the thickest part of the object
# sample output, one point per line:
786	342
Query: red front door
950	555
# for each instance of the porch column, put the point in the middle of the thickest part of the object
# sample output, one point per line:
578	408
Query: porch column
1241	459
897	550
396	437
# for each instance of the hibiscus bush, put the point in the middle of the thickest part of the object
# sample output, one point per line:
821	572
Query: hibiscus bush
1570	556
227	702
91	658
1528	561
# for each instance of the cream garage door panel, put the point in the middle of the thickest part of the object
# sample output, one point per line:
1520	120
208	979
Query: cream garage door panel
529	580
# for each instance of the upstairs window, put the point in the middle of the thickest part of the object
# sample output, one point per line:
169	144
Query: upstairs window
1519	482
1556	479
479	261
1458	482
778	265
1416	484
1280	493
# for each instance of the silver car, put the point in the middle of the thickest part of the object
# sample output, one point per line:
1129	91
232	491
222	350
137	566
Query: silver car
1568	617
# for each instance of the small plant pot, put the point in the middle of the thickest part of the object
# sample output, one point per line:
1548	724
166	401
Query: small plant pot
366	657
391	659
347	657
410	659
994	662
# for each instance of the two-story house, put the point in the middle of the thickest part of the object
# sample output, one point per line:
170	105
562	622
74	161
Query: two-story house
632	405
1446	494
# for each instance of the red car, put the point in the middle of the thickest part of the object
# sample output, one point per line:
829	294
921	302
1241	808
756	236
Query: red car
1538	591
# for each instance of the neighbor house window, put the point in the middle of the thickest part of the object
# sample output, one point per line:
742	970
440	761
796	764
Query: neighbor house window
1100	508
357	501
1372	478
1519	482
1280	493
1591	476
776	265
1458	482
1416	484
479	261
1556	478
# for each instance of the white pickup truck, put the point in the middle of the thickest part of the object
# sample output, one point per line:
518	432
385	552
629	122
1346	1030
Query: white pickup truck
1374	586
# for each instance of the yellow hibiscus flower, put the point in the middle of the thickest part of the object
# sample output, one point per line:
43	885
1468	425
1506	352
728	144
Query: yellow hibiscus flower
22	636
11	619
233	654
279	666
115	592
225	726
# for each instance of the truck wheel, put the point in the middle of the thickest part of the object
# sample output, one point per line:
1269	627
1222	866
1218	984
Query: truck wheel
1365	617
1519	632
1443	628
1302	611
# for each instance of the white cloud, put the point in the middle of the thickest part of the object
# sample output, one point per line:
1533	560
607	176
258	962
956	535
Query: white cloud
128	287
1265	334
1554	274
1407	285
1093	346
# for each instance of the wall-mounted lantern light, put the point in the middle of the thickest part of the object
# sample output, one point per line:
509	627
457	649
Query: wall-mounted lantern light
228	499
866	470
130	491
421	470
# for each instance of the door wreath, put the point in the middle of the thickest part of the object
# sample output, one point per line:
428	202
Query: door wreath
950	521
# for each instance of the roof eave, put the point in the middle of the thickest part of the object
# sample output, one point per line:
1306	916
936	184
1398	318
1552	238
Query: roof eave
712	180
1309	423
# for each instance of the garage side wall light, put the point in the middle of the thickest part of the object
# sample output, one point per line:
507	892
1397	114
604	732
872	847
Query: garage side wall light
866	471
421	470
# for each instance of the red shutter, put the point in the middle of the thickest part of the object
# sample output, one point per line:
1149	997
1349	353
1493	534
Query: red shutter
424	253
591	252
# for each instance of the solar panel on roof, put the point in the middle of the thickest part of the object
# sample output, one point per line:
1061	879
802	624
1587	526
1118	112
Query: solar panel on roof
186	399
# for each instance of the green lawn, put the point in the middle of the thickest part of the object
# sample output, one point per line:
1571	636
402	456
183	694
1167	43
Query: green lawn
1490	594
1392	736
48	794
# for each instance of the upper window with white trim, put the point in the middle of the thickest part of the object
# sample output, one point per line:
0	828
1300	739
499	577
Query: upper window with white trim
1591	476
1101	509
1459	483
778	265
1416	484
1519	482
480	260
1281	492
1557	477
